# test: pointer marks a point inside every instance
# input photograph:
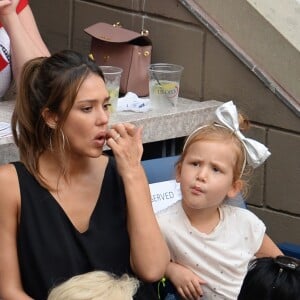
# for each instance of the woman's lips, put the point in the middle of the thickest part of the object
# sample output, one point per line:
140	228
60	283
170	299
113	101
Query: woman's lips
100	139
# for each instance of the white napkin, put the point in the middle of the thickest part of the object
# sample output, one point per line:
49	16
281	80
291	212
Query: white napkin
5	129
131	102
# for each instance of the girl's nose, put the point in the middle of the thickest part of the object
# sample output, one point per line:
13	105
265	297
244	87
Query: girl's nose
202	174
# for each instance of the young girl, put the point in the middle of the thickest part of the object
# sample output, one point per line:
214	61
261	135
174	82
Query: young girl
212	243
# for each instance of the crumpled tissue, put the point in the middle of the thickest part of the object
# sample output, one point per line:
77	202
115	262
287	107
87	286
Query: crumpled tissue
131	102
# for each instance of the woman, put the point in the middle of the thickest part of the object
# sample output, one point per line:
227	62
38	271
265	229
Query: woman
20	40
66	208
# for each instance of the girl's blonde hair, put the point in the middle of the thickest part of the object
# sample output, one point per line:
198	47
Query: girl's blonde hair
96	285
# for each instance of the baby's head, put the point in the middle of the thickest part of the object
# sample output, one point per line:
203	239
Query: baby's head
272	279
96	285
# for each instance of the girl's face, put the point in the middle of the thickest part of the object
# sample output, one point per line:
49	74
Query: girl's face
206	174
86	125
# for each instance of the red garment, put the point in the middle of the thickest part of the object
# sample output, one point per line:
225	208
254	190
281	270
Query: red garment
5	70
22	4
3	63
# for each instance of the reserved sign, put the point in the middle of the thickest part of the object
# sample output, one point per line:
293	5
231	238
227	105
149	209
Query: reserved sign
164	194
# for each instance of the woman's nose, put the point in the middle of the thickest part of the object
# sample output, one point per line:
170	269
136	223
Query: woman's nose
102	117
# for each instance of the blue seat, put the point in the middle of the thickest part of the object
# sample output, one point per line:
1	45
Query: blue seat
290	249
160	169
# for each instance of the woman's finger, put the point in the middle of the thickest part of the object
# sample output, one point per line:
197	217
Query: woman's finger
131	128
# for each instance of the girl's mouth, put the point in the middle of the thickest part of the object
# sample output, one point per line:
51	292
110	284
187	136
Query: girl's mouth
197	190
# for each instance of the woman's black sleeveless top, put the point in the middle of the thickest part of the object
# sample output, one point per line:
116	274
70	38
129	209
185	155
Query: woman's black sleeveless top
51	249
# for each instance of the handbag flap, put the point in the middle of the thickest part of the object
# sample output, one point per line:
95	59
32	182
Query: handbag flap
115	34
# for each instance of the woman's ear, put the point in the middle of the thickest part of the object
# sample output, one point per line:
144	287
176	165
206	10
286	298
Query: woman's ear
236	187
50	118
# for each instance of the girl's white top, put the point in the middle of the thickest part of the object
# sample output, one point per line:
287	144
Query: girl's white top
221	257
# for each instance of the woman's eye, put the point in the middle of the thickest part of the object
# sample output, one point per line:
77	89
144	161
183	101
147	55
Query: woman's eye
86	108
106	105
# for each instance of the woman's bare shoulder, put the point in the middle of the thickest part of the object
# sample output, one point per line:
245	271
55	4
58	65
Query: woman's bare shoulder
9	182
7	170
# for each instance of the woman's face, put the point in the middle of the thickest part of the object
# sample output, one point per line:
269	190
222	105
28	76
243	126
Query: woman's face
86	125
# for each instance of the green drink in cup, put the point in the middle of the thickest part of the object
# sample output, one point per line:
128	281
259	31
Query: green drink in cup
164	81
112	76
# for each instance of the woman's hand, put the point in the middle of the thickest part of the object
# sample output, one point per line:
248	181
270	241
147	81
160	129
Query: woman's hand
187	283
125	140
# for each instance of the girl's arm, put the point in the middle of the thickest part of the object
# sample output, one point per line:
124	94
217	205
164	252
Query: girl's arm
268	248
187	283
10	282
25	39
148	250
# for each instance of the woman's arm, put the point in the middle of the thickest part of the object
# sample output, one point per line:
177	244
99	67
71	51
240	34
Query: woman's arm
25	39
148	250
268	248
10	282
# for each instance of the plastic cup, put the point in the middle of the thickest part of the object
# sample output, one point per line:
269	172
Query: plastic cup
164	82
112	76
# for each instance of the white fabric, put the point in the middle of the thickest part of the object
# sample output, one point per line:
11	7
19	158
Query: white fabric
132	102
164	194
227	116
220	258
5	74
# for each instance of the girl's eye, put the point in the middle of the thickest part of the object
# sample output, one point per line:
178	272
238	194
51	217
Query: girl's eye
216	169
196	164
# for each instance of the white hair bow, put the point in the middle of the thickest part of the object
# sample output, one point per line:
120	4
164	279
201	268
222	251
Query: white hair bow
256	152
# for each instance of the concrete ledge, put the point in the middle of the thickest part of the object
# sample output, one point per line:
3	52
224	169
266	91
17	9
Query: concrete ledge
158	125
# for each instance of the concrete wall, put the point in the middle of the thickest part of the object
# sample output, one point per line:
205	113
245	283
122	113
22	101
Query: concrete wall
283	15
211	72
261	29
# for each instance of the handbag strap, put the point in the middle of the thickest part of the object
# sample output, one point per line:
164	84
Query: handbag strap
114	33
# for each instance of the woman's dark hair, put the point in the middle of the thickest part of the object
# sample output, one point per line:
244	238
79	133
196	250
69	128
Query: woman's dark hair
272	279
47	83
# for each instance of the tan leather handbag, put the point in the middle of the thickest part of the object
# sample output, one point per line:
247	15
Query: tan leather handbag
113	45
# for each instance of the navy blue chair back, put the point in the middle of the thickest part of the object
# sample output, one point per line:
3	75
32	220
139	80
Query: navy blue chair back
160	169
